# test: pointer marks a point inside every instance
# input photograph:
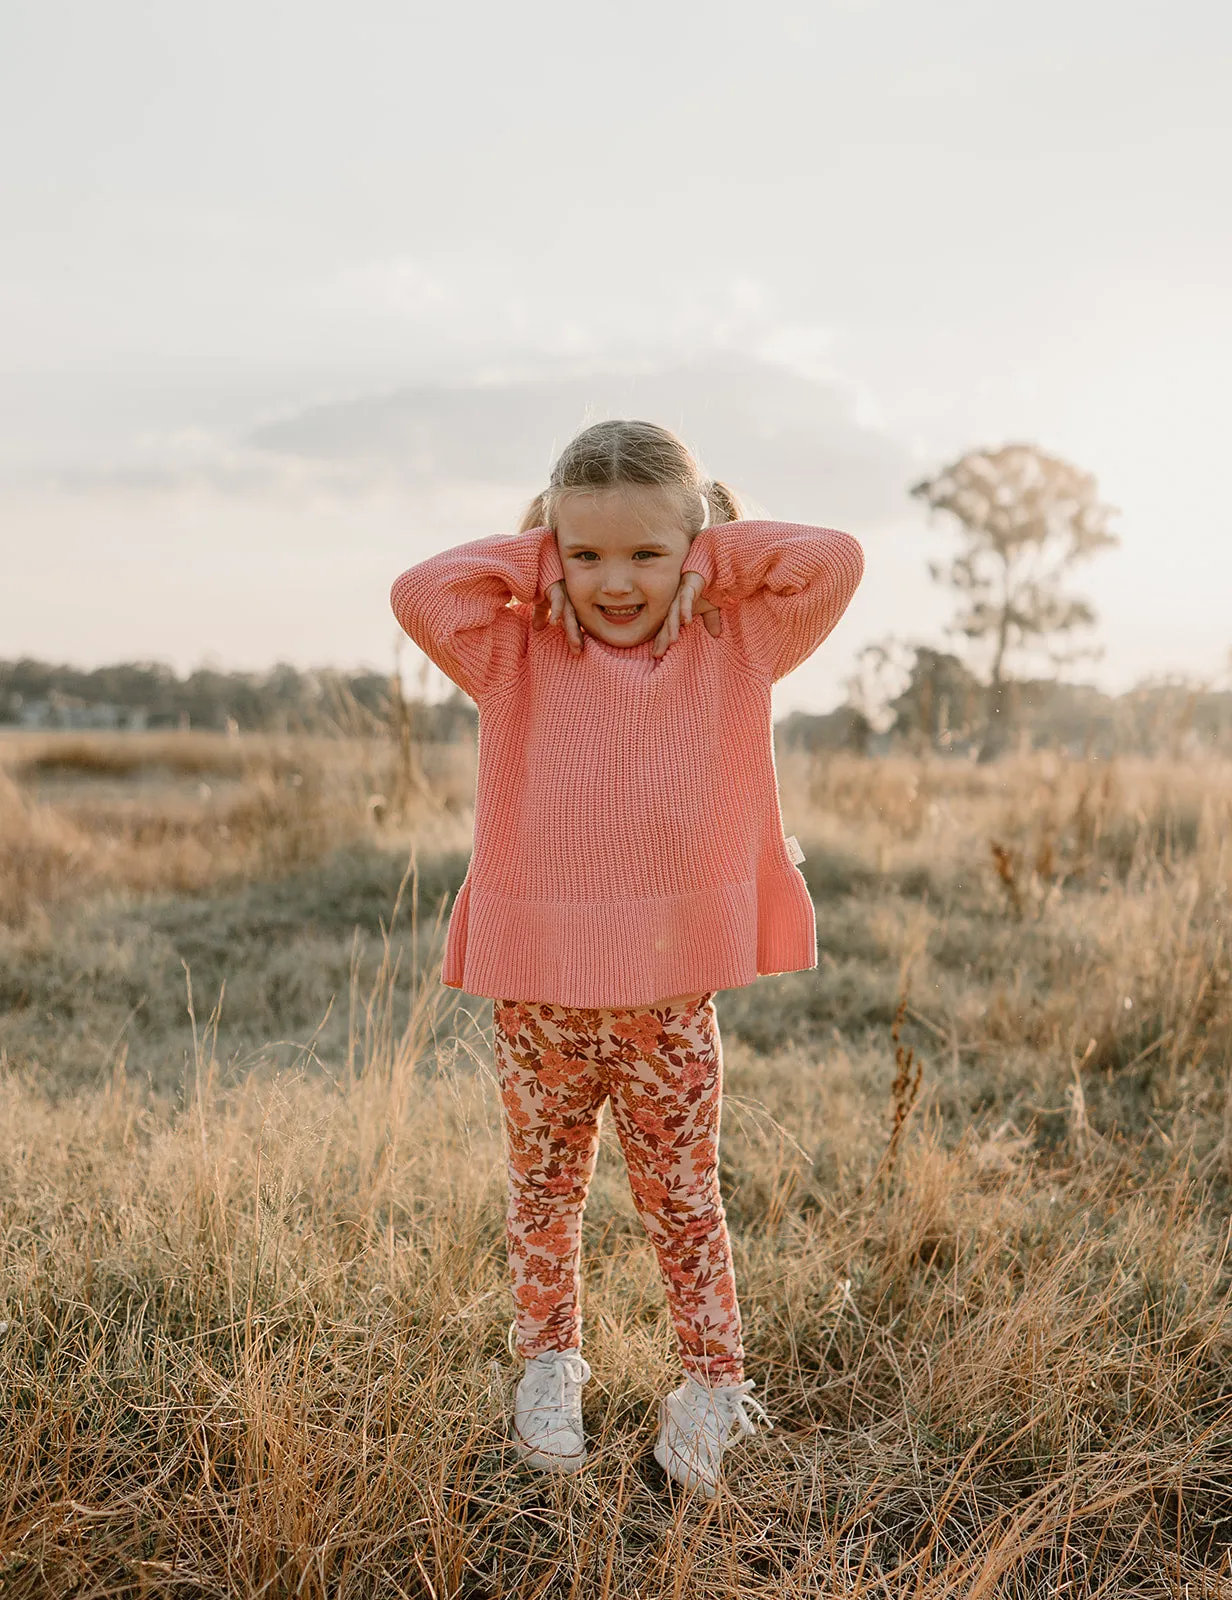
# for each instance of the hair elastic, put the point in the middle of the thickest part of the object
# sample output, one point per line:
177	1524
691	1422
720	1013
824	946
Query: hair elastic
705	509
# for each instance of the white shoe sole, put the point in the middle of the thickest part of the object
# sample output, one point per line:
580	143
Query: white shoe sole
547	1460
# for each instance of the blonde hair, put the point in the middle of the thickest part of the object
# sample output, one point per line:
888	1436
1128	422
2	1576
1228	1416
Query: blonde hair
622	453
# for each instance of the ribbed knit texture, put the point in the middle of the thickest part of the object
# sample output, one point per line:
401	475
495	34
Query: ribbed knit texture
628	837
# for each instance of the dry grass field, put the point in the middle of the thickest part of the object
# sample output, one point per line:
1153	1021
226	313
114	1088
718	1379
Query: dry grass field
977	1168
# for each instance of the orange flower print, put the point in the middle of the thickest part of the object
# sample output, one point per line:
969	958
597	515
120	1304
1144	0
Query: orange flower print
553	1238
554	1069
640	1027
509	1018
537	1302
557	1066
652	1124
648	1191
579	1137
562	1183
516	1114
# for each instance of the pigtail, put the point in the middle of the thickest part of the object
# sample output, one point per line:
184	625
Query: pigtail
725	503
536	513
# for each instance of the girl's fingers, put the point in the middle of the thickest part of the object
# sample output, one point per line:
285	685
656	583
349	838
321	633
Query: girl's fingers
666	633
673	622
547	610
558	608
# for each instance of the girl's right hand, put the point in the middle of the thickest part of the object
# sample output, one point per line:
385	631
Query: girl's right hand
556	607
686	605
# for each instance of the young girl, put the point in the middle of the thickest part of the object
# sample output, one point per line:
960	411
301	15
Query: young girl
628	862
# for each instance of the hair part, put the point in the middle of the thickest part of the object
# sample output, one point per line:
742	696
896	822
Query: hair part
623	454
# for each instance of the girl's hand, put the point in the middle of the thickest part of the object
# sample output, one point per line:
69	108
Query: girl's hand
556	607
687	603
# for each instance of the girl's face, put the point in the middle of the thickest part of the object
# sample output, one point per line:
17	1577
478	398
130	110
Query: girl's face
621	548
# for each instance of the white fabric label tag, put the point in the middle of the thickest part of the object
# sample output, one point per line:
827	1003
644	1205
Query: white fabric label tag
793	849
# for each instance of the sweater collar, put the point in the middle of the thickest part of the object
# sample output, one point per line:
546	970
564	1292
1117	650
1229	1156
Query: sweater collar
624	652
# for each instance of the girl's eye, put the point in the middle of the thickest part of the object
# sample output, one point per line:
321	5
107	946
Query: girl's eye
581	555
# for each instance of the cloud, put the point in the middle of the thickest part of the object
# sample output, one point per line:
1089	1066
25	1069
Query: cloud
796	439
798	446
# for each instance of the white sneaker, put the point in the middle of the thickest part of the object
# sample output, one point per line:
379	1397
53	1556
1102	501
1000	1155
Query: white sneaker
695	1425
547	1410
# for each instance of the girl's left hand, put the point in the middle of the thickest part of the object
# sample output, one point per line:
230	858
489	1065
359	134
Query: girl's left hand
687	603
558	607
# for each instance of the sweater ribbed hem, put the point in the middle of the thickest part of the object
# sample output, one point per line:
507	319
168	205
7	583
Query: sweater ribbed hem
629	952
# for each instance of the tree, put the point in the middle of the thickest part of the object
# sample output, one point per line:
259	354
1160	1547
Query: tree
914	692
936	707
882	670
1026	519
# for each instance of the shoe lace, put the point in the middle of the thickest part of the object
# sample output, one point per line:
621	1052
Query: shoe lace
560	1375
731	1402
568	1372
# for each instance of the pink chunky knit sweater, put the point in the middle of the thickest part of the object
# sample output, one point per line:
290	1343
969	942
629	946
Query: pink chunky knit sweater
628	838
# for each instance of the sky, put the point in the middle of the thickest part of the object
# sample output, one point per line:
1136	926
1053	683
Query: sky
963	224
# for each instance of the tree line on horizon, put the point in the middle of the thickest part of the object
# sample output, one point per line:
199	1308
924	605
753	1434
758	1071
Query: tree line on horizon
940	707
284	699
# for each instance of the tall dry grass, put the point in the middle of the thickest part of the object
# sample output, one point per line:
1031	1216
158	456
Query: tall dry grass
255	1331
181	813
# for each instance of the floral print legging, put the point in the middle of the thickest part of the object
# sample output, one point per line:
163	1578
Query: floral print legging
662	1067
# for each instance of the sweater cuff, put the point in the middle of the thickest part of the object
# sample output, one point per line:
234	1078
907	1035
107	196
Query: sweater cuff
700	559
550	569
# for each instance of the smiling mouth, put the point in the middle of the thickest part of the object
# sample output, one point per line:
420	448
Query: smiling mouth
621	613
